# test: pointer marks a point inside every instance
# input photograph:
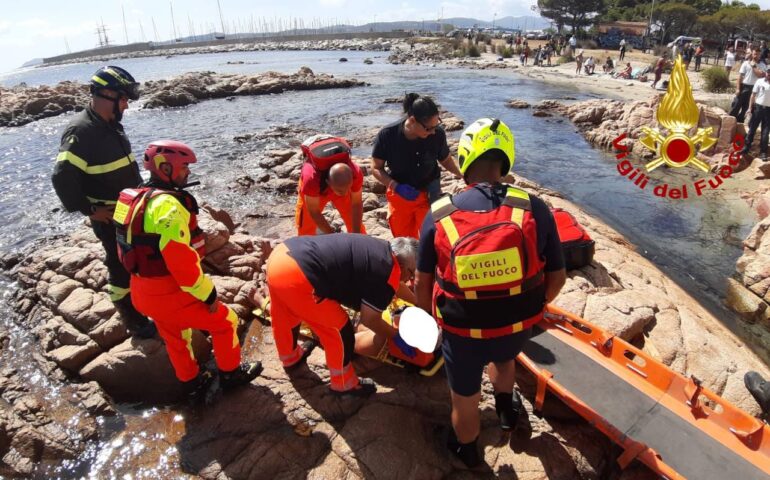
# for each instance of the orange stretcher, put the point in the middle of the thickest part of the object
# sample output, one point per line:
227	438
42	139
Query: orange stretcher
671	423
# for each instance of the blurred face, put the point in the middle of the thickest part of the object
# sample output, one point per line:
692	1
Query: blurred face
755	55
426	128
180	177
407	270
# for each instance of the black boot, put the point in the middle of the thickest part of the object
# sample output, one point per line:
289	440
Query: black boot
508	407
365	388
196	389
135	322
759	389
468	453
307	348
242	375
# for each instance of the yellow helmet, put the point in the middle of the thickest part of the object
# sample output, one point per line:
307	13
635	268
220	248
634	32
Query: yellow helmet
483	135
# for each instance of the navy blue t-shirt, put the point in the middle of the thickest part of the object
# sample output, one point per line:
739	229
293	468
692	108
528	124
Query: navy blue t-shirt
485	197
413	162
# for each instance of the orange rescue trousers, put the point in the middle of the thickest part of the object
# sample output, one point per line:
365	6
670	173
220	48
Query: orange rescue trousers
176	313
291	302
406	216
307	226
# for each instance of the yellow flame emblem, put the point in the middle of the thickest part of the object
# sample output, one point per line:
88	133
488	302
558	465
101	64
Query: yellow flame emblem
678	113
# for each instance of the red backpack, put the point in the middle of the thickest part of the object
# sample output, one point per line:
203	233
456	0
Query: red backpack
324	151
577	245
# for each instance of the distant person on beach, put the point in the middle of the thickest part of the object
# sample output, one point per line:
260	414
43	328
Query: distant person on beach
751	70
590	66
759	106
698	56
162	246
626	73
687	54
608	65
328	176
578	62
622	49
406	158
729	60
94	164
659	66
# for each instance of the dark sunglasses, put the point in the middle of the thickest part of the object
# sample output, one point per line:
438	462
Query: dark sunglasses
433	128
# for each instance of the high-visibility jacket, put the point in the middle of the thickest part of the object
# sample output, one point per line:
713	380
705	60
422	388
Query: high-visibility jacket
488	255
158	236
94	163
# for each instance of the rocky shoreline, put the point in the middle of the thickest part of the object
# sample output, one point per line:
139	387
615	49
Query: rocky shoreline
292	427
21	105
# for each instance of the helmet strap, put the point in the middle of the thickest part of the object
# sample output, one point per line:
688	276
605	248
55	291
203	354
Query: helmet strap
115	104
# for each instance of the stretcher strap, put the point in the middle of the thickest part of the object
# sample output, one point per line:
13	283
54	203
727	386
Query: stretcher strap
630	454
692	391
543	377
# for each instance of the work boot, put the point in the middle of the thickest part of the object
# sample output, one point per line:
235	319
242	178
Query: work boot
307	348
366	387
508	407
136	323
242	375
195	390
759	389
468	453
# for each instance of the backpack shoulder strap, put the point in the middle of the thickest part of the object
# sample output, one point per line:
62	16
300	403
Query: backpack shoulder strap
518	201
441	210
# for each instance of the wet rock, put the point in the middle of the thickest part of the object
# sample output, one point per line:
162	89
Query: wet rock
193	87
368	61
21	105
518	104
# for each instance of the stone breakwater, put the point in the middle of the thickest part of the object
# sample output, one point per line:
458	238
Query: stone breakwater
292	427
21	105
376	45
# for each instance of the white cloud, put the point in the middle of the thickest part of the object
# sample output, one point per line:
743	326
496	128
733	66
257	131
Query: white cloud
333	3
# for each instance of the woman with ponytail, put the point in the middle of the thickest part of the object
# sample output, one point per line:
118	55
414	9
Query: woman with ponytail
406	158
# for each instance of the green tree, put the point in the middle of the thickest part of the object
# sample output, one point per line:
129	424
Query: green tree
674	19
573	13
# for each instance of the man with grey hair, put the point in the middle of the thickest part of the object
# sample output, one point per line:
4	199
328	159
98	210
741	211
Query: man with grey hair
311	278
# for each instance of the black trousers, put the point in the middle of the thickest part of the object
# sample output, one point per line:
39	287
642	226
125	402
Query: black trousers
760	117
119	278
742	106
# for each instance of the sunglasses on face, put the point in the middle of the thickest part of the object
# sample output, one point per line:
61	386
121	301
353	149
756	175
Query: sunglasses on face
430	129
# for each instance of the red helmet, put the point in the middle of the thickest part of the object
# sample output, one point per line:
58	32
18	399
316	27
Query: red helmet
167	151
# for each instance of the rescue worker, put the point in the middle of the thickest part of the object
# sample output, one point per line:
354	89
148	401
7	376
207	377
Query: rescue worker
94	164
406	158
341	183
492	285
161	245
310	279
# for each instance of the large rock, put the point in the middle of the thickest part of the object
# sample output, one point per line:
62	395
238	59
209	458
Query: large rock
193	87
21	105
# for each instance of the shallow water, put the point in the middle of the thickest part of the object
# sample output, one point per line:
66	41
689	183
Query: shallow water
686	239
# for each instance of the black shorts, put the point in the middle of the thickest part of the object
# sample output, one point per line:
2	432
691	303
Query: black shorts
465	358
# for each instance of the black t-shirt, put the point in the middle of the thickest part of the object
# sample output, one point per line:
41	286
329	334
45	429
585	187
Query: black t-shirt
413	162
350	268
485	197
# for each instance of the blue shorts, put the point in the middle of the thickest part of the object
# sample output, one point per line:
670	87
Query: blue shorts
465	358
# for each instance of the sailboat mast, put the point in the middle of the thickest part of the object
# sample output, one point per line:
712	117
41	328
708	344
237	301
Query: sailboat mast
173	23
221	18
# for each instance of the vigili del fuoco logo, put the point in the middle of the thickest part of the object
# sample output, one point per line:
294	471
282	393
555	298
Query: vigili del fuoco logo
678	144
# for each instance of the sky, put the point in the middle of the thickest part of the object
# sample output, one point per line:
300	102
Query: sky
43	28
